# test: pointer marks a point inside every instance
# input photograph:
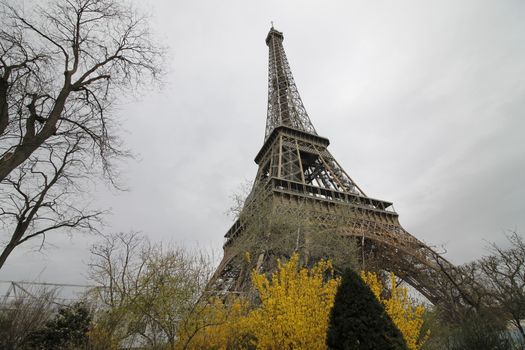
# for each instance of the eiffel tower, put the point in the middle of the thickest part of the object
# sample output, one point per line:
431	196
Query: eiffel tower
295	166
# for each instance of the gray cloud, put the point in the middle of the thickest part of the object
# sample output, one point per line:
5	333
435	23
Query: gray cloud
422	101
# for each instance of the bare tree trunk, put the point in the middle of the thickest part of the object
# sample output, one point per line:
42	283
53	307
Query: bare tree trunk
4	116
6	252
520	328
30	142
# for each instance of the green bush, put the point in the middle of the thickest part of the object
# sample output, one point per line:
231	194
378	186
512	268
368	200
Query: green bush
358	321
67	330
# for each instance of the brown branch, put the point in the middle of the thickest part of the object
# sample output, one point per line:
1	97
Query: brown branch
43	35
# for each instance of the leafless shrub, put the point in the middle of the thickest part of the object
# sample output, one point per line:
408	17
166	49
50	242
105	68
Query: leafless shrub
23	314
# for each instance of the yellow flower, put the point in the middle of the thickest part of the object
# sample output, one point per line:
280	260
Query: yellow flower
406	315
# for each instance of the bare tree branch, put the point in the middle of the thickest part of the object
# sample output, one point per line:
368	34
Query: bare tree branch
62	67
504	275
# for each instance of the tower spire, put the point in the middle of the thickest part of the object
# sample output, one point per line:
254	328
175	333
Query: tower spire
285	107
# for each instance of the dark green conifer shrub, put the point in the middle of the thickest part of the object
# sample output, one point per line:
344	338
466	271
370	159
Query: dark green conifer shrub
358	321
67	330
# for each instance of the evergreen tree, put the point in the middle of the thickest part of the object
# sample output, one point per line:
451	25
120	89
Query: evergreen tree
67	330
358	321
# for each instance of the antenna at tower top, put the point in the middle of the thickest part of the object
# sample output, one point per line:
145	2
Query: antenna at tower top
271	23
285	107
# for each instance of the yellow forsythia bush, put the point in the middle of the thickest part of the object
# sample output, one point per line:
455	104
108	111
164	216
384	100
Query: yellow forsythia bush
295	306
407	316
218	325
293	313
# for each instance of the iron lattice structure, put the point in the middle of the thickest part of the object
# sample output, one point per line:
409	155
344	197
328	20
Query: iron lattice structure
295	167
285	106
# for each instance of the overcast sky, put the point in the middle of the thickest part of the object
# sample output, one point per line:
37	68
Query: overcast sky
423	102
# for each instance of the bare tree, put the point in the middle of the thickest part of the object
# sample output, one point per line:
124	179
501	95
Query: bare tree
63	64
504	277
493	284
43	195
279	230
270	230
461	288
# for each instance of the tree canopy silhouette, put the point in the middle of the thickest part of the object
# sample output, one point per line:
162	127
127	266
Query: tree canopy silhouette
63	64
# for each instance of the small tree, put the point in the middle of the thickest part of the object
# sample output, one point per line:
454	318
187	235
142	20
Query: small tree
273	230
503	274
482	330
359	321
145	290
67	330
